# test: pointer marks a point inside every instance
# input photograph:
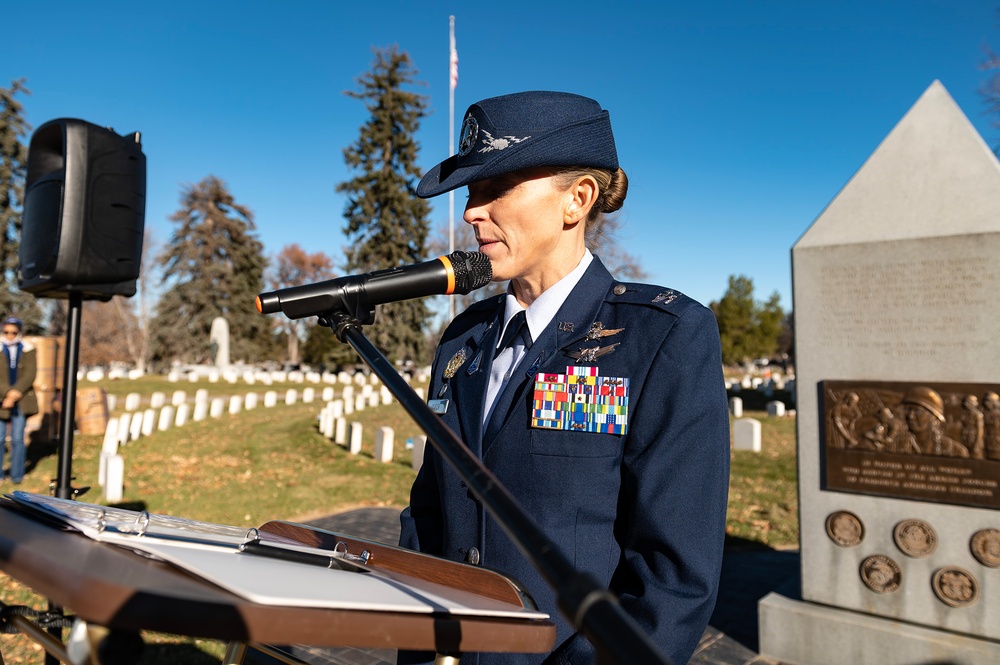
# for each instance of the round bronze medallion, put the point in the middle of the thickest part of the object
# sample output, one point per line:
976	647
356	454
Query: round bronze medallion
915	538
881	574
845	528
955	587
985	546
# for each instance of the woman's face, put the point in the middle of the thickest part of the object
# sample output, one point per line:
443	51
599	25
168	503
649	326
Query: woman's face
518	219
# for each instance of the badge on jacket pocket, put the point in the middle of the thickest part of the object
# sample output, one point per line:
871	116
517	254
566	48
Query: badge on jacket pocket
581	401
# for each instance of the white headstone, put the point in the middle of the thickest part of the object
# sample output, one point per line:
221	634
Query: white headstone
251	401
348	405
201	395
270	398
178	398
327	394
360	403
112	402
200	411
166	418
193	377
124	428
383	444
420	392
419	443
213	375
132	401
182	414
217	407
373	400
148	421
347	394
173	376
736	407
355	445
385	395
290	396
114	480
337	408
135	428
219	342
308	395
111	436
235	404
340	430
746	434
776	408
156	400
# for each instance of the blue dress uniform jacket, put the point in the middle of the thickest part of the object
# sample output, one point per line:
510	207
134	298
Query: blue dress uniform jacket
643	512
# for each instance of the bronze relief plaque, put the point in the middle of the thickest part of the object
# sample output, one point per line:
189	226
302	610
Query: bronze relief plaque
881	574
845	528
915	538
985	546
936	442
955	587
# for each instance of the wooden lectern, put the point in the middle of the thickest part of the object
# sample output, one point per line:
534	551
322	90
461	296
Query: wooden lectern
113	588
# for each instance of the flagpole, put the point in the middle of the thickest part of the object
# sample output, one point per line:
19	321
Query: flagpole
452	82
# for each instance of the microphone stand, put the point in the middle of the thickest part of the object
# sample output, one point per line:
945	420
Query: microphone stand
591	608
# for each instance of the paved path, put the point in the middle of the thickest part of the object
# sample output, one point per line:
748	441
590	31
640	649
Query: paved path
748	575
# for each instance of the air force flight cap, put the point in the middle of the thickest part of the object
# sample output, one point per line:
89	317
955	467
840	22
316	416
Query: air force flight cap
525	130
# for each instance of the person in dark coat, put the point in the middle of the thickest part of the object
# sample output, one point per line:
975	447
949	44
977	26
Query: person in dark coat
599	404
18	401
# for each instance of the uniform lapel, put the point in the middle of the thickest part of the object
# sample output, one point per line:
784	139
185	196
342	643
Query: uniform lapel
471	381
570	323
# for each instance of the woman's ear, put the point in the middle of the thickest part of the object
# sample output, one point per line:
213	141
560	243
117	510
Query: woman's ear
583	194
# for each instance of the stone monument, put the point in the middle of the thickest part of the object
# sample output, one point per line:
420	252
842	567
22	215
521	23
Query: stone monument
897	313
219	342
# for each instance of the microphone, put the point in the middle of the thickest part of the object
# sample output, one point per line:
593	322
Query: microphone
459	272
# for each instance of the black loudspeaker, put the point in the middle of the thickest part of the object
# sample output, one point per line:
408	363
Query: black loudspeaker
84	211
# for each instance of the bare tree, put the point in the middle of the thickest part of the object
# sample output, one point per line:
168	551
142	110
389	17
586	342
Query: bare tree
292	267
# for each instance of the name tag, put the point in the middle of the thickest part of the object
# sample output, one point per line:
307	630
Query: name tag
439	406
581	401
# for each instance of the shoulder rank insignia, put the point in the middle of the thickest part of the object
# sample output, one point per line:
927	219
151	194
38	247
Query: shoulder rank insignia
666	297
455	362
591	354
597	331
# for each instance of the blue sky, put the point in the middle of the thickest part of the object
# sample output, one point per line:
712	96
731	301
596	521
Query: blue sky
737	122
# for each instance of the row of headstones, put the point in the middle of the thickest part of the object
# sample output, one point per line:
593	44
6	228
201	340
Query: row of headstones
776	382
214	375
132	425
367	393
334	425
774	408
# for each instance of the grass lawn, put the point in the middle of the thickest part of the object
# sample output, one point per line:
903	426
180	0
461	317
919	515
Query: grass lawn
274	464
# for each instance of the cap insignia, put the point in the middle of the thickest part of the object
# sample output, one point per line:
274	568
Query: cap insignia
501	143
666	297
470	131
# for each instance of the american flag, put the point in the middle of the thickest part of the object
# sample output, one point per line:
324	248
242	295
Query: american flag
454	57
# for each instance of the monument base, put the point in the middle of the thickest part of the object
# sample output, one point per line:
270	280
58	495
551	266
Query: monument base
803	633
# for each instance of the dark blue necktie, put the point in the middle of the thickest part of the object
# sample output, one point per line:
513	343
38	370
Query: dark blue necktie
518	327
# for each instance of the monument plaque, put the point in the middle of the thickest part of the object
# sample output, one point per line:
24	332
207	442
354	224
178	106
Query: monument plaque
897	313
924	441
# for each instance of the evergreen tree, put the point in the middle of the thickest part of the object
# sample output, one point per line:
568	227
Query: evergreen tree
213	266
748	329
13	168
387	224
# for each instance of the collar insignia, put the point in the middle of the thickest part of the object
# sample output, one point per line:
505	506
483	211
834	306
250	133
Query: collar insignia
455	362
597	331
565	326
501	143
591	354
474	365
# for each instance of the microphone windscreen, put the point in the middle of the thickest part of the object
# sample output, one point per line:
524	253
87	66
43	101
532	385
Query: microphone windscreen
473	270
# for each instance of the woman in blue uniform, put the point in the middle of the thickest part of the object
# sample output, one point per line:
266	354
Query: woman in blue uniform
600	405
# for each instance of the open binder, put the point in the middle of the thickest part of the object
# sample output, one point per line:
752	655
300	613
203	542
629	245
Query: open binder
269	568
